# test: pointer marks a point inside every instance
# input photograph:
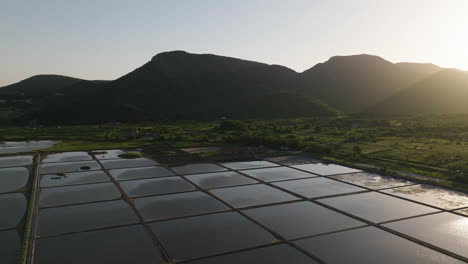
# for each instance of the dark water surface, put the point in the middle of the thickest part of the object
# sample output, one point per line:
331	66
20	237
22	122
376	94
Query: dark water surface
78	194
75	218
278	174
220	179
252	195
12	209
148	187
200	236
301	219
10	247
54	180
123	245
178	205
377	207
13	179
370	245
140	173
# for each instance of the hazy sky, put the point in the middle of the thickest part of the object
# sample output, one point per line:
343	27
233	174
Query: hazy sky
104	39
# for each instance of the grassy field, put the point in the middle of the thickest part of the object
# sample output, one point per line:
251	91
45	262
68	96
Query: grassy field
435	147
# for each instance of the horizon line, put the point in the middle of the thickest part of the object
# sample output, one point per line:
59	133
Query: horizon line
227	56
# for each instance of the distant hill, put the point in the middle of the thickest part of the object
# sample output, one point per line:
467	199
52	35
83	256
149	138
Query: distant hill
354	83
445	92
181	85
36	98
38	85
422	69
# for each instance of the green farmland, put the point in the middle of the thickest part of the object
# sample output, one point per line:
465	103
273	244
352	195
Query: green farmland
435	147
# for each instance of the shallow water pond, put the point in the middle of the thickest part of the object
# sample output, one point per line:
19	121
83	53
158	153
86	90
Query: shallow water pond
277	254
10	247
24	146
293	160
128	163
121	245
54	180
435	196
301	219
444	230
371	180
140	173
326	169
252	195
219	179
197	168
66	167
67	195
67	156
201	235
13	208
278	174
249	164
370	245
75	218
317	187
377	207
13	179
16	161
158	186
178	205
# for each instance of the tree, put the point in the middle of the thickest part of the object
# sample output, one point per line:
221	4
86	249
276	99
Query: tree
317	129
357	151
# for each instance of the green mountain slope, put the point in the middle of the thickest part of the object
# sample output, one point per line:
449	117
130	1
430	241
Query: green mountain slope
183	85
445	92
180	85
354	83
37	86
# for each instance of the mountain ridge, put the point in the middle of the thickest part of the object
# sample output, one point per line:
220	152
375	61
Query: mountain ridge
354	83
38	84
445	92
178	84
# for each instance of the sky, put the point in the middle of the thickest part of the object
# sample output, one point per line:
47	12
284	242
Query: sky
105	39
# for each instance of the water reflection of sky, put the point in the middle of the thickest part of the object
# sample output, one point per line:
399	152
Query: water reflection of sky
24	146
443	198
459	227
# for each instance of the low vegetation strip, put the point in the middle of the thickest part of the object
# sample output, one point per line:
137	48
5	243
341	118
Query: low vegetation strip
436	147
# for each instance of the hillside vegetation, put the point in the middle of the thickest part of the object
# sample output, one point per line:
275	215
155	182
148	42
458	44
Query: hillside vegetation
178	85
445	92
37	86
353	83
432	147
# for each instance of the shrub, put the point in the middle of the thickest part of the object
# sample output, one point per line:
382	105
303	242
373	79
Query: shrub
98	152
232	125
318	148
130	155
